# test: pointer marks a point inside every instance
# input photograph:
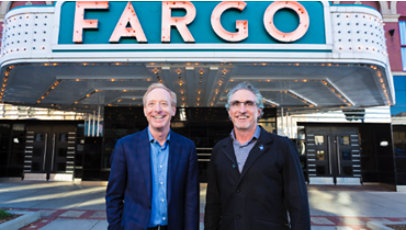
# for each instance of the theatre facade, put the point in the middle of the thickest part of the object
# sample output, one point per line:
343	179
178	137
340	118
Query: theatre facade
322	68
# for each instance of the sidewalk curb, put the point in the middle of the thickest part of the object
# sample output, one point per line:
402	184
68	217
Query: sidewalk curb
21	221
375	225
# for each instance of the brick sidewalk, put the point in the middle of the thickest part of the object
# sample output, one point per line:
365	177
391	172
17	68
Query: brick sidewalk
96	219
58	216
66	205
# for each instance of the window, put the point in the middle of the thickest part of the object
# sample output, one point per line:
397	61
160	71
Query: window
345	140
39	137
320	155
319	140
402	31
346	155
63	137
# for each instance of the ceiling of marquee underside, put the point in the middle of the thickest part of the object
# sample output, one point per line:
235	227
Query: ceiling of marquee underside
296	86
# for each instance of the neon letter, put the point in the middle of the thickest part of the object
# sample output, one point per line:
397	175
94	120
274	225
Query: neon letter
179	22
121	30
241	25
279	35
80	21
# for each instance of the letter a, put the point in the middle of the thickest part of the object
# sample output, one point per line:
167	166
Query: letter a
128	17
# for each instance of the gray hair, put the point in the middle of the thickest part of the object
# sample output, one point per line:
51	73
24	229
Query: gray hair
160	86
247	86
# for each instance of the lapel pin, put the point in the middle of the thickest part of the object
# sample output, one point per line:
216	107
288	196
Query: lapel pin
233	166
261	147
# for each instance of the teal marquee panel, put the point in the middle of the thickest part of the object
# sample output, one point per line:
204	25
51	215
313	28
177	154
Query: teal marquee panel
149	15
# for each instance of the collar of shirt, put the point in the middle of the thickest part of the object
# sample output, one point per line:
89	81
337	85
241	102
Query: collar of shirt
254	137
152	139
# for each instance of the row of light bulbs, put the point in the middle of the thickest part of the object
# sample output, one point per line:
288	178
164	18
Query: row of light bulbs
201	72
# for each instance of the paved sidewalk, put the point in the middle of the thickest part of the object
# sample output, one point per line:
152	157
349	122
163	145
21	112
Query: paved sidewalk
80	206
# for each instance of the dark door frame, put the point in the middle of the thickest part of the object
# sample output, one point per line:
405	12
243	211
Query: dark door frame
333	155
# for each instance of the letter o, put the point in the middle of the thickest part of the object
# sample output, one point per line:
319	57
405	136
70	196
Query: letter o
275	32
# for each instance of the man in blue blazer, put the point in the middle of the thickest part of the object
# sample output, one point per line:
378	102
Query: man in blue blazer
153	183
255	180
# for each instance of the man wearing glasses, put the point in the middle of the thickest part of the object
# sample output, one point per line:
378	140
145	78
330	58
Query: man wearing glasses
255	180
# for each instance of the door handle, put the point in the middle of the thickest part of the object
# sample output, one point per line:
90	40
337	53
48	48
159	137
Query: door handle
329	156
45	152
338	155
53	152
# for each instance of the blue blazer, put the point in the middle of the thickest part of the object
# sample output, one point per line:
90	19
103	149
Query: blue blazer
270	185
129	191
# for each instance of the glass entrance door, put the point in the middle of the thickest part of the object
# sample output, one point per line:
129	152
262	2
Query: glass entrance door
333	155
49	152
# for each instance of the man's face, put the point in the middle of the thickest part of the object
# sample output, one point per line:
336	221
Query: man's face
158	109
243	110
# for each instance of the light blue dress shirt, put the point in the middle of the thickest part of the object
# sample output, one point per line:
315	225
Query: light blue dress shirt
159	173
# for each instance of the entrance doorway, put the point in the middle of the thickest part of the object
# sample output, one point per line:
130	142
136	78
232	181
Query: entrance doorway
333	155
49	152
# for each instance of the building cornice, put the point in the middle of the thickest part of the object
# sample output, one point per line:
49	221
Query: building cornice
398	73
391	17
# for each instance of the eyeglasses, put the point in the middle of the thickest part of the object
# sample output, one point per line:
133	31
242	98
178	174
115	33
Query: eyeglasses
248	104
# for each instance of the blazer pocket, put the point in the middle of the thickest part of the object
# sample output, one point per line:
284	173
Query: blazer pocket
260	223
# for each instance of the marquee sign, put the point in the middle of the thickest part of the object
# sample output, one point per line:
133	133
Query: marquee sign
48	50
184	22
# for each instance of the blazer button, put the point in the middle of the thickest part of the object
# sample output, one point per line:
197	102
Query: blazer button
149	207
238	217
237	191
